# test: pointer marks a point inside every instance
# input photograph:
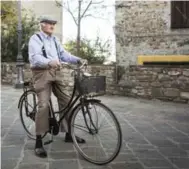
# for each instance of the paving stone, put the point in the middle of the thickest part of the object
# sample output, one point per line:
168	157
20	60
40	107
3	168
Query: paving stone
141	146
94	152
123	150
10	152
183	139
162	143
181	162
172	134
3	132
155	163
14	140
97	167
125	129
64	164
60	145
161	168
163	127
181	126
32	166
154	135
184	146
135	138
8	163
148	154
173	152
127	165
129	157
7	121
17	131
29	157
148	130
63	155
86	164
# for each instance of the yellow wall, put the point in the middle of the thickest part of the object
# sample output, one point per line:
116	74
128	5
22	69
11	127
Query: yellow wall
162	58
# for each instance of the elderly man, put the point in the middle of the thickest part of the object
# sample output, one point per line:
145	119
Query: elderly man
45	56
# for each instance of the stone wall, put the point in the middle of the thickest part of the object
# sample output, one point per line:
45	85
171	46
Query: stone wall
152	82
164	83
143	28
9	74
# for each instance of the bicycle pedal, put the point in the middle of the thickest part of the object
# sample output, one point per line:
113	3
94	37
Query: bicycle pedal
54	126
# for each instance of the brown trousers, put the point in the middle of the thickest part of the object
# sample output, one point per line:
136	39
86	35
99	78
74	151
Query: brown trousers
42	80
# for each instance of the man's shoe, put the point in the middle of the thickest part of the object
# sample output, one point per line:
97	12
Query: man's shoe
40	152
68	139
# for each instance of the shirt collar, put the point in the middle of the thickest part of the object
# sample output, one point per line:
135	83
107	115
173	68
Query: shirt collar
45	35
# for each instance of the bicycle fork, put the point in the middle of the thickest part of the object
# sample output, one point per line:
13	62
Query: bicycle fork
93	130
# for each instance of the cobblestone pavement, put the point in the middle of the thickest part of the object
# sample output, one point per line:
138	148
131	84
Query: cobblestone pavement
155	136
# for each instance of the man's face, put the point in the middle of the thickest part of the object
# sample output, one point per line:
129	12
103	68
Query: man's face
49	27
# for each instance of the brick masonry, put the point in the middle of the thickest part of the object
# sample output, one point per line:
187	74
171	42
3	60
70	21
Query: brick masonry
164	83
143	28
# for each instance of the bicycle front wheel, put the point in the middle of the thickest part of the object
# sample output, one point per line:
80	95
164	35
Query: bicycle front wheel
98	125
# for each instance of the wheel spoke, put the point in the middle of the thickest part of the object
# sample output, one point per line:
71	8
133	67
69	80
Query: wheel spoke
81	128
98	116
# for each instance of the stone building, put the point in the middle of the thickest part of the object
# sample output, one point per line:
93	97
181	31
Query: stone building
49	8
151	28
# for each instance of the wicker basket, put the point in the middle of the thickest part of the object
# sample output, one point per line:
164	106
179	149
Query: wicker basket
93	85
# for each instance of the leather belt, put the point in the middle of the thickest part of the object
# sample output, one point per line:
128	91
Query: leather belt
43	68
40	68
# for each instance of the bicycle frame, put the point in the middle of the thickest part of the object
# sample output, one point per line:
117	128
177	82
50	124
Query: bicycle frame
70	106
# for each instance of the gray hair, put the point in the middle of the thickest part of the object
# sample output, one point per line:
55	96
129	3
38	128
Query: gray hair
42	25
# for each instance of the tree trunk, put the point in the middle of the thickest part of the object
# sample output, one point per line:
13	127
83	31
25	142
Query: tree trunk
79	27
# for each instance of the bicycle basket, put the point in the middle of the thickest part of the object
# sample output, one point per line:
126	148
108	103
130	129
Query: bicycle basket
93	85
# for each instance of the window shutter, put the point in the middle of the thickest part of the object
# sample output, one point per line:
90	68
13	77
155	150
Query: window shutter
180	14
186	20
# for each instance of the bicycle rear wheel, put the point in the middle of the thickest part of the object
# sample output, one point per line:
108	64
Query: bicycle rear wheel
28	110
97	124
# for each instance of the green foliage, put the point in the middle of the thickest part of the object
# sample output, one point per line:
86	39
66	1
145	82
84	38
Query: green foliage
94	51
8	11
9	37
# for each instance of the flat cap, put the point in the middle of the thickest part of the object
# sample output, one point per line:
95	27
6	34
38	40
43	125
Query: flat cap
47	19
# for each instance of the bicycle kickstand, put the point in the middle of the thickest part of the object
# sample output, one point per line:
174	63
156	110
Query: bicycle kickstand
51	140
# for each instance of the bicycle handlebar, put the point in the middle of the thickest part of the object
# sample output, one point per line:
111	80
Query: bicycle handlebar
78	68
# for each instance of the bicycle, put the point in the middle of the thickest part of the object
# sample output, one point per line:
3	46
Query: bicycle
84	120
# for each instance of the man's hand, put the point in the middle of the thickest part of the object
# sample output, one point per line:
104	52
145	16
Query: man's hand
82	61
54	64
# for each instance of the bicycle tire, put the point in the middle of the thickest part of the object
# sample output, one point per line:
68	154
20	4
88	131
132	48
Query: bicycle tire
33	137
118	128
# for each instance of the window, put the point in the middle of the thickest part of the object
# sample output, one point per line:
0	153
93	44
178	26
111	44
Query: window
180	14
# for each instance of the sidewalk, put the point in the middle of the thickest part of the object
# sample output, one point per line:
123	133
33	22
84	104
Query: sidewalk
156	136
